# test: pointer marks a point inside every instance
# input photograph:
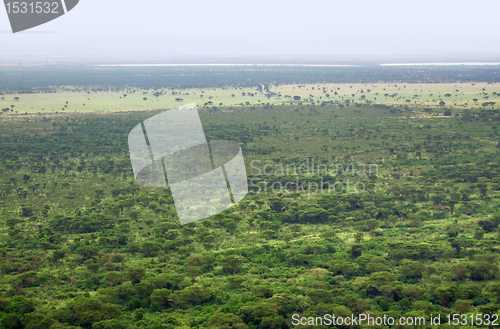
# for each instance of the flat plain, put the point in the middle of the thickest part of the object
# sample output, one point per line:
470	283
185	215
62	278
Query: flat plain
419	96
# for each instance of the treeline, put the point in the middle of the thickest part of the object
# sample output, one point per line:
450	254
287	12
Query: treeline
52	78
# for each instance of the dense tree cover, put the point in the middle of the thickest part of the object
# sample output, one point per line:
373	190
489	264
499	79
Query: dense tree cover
84	247
19	79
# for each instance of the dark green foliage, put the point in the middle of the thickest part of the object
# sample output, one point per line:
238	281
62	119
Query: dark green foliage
111	324
84	246
90	311
489	225
48	79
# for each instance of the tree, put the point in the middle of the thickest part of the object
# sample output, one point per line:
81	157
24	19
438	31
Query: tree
458	243
453	231
287	237
454	198
57	255
485	268
463	306
230	224
489	308
445	294
113	278
133	304
136	274
90	310
386	290
355	250
489	225
329	235
12	321
371	224
412	269
379	279
160	296
461	271
225	321
37	321
150	248
483	189
413	292
342	263
111	324
231	263
198	260
415	220
193	271
261	291
478	233
92	266
494	291
195	294
358	237
262	315
271	322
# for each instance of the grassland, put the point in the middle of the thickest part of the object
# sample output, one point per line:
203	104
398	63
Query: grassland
417	96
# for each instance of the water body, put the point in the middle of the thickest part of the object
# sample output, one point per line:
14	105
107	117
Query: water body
302	65
440	64
297	65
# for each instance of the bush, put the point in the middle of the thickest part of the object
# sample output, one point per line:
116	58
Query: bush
111	324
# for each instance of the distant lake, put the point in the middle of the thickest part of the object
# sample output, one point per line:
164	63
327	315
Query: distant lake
300	65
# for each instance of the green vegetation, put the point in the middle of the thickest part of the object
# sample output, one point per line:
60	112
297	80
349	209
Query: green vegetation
83	246
47	78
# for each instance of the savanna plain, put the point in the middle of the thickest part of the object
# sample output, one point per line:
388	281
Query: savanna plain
84	246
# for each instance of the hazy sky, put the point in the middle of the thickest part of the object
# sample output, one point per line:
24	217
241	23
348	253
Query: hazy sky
162	28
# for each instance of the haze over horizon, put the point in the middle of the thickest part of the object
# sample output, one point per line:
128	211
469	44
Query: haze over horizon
160	29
